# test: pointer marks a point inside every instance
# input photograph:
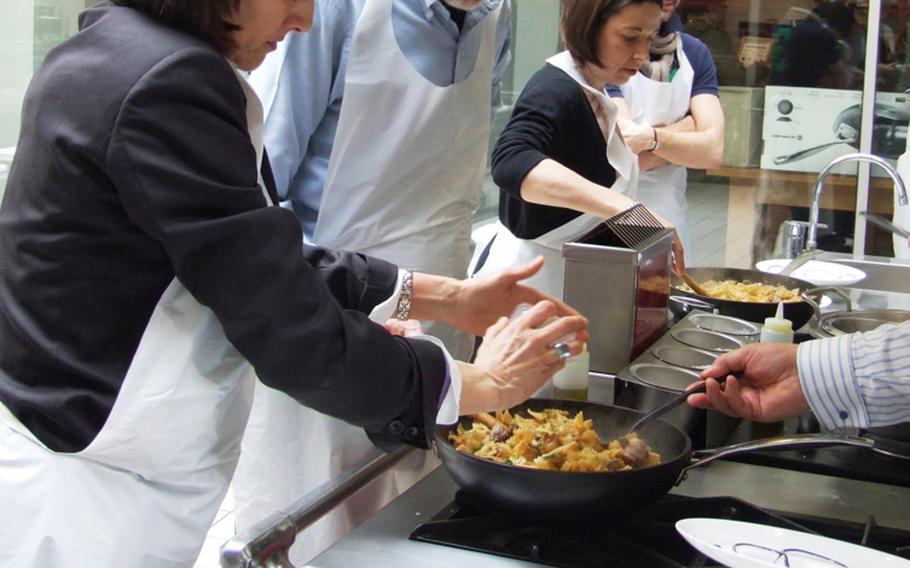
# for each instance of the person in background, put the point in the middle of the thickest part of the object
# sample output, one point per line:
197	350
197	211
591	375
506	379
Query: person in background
857	380
813	56
377	124
705	21
146	280
670	116
560	163
887	70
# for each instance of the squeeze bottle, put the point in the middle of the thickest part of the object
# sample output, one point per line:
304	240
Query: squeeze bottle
777	329
572	380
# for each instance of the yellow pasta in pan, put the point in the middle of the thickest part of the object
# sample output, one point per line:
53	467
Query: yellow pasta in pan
551	440
747	291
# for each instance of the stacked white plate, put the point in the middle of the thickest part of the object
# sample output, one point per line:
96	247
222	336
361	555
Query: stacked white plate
816	272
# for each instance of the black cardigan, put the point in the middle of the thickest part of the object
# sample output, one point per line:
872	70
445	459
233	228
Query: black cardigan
551	119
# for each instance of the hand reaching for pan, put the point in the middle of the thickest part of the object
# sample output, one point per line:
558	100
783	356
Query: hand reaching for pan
767	388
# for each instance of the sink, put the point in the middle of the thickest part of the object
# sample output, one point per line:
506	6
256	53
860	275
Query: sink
839	323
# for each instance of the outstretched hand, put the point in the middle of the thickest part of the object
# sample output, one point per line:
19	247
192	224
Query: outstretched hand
517	357
481	301
768	388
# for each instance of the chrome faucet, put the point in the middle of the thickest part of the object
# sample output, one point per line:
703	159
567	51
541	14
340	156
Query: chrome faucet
811	242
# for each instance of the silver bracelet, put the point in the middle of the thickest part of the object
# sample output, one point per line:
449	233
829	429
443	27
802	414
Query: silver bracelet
403	311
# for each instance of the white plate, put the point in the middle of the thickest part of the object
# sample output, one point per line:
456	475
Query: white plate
816	272
716	539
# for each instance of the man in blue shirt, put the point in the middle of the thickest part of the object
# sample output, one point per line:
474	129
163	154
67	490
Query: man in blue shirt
377	123
302	85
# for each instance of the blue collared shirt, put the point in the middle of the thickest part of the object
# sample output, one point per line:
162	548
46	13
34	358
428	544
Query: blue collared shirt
858	380
302	84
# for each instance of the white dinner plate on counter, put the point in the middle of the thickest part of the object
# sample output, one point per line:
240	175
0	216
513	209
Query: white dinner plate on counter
748	545
816	272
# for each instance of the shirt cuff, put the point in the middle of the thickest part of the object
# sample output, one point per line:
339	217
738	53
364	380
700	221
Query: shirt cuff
382	312
447	405
829	383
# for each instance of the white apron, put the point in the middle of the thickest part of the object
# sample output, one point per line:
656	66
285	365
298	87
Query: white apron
902	212
403	182
508	250
655	103
146	489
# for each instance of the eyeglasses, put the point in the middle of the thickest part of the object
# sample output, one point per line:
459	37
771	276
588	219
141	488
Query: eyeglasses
788	557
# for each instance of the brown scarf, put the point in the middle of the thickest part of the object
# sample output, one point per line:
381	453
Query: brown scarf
665	48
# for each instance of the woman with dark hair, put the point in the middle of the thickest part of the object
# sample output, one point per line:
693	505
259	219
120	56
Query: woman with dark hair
672	119
145	280
560	163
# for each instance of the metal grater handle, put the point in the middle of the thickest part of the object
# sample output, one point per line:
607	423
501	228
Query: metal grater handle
635	225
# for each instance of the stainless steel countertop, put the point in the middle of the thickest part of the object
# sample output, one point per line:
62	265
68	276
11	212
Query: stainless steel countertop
383	540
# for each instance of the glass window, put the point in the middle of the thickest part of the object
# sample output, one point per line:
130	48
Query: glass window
535	37
792	77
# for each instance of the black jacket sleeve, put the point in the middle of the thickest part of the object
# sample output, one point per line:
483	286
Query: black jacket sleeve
190	183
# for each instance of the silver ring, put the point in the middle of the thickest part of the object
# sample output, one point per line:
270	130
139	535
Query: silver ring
562	349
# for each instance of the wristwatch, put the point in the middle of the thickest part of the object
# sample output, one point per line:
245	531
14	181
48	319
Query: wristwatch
655	144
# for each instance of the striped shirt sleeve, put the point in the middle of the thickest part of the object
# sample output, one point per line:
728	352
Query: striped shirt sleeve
858	380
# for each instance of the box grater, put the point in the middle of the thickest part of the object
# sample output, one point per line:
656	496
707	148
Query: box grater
618	276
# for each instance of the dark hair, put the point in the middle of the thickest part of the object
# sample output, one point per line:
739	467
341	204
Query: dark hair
582	21
208	19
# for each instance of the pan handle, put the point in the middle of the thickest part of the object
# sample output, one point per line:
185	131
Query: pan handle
690	304
794	442
807	295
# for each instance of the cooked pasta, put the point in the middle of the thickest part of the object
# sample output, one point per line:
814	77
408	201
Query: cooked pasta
551	440
747	291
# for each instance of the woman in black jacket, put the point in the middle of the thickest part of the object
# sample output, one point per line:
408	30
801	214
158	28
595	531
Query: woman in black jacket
146	279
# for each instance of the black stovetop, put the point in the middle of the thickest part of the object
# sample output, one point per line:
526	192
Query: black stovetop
836	461
646	539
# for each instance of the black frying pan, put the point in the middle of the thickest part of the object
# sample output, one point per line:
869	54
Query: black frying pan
798	312
572	496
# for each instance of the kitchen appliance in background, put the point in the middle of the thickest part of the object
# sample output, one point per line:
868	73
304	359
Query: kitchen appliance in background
618	276
794	140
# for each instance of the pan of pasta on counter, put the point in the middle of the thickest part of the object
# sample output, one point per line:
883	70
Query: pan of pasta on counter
574	461
564	458
751	295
